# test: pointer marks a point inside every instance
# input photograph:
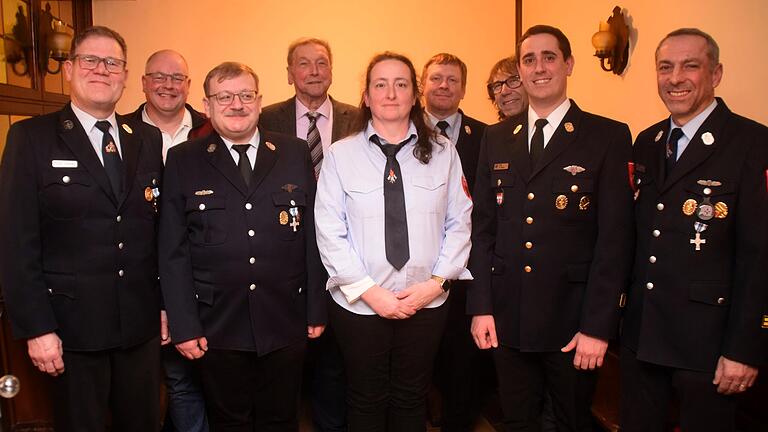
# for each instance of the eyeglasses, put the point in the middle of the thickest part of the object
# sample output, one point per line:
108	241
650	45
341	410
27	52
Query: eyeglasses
512	82
161	78
111	64
226	98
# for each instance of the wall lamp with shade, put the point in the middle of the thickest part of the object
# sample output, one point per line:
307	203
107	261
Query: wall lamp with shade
611	43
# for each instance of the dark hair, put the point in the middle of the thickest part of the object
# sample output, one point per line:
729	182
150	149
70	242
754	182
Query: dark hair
713	51
423	149
562	41
506	65
228	70
307	41
97	31
446	59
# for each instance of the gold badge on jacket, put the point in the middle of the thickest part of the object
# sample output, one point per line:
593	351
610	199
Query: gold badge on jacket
502	166
721	210
467	129
127	128
283	217
658	136
203	192
689	207
211	148
148	195
517	129
561	202
270	145
584	203
288	187
574	169
568	127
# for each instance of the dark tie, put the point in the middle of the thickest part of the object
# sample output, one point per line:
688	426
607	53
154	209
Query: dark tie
313	139
443	126
537	141
395	221
671	153
113	165
244	164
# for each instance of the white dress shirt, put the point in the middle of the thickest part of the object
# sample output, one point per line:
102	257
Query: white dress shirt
324	122
95	135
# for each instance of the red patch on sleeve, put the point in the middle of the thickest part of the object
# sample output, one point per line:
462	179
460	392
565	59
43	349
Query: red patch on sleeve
631	171
465	185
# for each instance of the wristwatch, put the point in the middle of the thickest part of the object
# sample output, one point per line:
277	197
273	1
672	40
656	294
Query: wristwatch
442	282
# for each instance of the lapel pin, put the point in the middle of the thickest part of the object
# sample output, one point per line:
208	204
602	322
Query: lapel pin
467	129
568	127
658	136
68	125
517	129
127	128
211	148
574	169
707	138
270	145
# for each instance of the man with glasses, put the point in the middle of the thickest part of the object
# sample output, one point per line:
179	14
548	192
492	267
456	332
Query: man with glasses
78	261
241	275
166	86
444	82
552	242
312	114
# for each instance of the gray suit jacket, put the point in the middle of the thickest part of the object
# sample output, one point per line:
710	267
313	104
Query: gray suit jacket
281	117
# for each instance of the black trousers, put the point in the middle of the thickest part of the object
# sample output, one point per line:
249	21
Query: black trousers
122	382
463	373
524	377
647	390
245	392
389	366
328	385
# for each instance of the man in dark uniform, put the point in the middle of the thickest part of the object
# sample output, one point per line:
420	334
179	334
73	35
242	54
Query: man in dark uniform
312	114
552	242
78	193
239	266
697	309
444	83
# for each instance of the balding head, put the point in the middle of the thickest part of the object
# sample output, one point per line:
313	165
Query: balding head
166	82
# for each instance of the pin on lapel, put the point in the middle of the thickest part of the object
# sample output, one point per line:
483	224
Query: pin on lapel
270	145
517	129
568	127
127	128
658	136
68	125
468	129
211	148
707	138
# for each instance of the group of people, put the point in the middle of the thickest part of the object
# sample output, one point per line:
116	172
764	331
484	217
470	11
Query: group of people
384	242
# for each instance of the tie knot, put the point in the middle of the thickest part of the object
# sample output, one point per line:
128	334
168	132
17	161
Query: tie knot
389	150
241	148
312	115
540	123
443	125
103	126
675	135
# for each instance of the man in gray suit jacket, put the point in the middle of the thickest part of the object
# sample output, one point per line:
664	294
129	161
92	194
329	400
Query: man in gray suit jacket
313	115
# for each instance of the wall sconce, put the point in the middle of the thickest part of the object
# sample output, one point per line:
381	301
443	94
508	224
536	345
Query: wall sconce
612	43
55	38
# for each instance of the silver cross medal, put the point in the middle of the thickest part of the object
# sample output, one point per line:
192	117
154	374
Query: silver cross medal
698	241
295	218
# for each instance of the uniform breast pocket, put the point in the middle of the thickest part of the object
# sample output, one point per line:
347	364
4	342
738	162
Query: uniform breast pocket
503	189
207	220
148	186
574	199
365	198
66	193
428	194
290	209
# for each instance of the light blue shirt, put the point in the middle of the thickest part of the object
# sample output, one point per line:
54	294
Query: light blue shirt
454	125
690	128
349	215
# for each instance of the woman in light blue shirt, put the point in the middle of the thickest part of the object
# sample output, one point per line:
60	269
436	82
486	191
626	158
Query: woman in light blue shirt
393	227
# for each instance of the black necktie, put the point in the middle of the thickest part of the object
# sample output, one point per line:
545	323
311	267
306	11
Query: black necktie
244	164
113	165
443	126
671	154
313	139
537	141
395	221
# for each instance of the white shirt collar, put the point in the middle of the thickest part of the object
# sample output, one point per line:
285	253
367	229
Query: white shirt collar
89	122
324	109
186	121
693	125
553	119
254	141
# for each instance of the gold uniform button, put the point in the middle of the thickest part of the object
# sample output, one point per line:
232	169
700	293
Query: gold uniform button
720	300
527	269
528	245
649	285
652	259
531	196
252	287
574	188
248	206
660	206
529	220
251	233
656	233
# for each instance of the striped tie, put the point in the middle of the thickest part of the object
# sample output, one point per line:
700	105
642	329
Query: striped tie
313	139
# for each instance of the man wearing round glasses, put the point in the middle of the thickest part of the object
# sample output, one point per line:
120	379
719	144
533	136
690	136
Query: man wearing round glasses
241	274
78	262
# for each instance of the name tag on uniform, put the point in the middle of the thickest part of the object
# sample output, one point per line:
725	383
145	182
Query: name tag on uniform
60	163
501	166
